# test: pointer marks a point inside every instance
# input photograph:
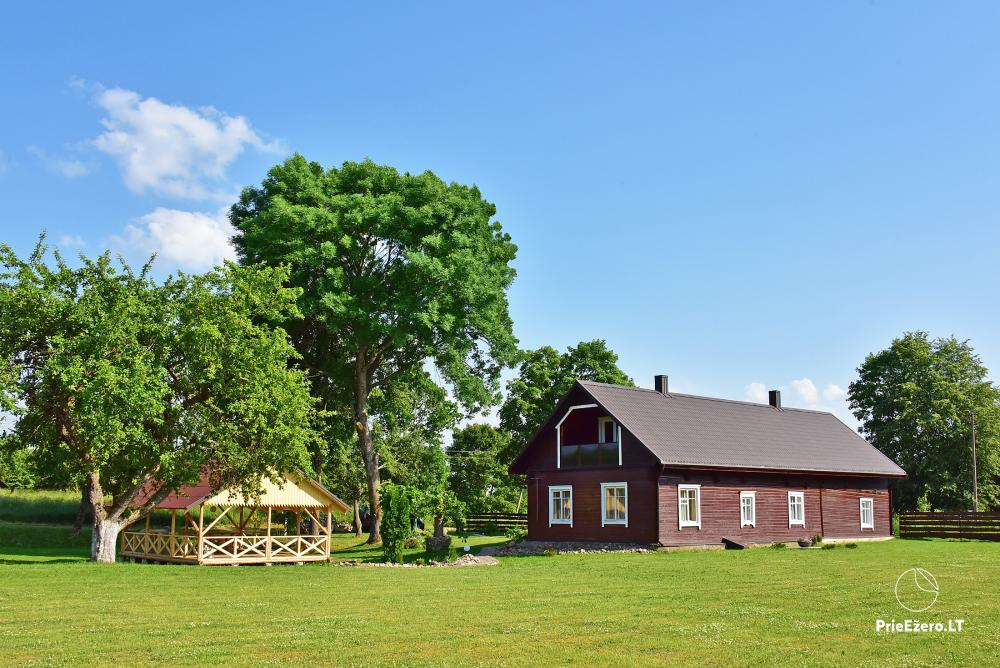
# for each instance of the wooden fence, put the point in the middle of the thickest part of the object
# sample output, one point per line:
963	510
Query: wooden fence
495	522
972	526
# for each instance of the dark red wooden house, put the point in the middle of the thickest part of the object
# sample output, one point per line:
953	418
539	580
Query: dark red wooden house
627	464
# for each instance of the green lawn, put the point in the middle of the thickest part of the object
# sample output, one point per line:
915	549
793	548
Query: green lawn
756	607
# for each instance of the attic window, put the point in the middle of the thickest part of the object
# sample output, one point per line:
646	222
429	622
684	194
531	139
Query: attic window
606	430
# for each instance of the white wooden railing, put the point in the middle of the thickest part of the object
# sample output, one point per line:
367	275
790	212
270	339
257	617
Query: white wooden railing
223	548
153	544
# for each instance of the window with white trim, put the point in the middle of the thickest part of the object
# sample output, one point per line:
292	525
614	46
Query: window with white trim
614	503
561	505
689	505
748	509
796	509
867	514
606	430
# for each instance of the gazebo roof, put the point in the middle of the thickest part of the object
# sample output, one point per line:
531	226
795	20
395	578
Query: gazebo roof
297	491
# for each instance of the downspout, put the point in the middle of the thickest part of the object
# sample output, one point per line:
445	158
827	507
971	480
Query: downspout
822	531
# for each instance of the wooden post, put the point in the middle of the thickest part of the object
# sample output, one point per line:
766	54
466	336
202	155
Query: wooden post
298	522
267	544
201	535
173	532
329	530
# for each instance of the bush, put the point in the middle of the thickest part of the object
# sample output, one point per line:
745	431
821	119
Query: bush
778	546
397	503
550	552
517	534
828	546
851	546
413	542
817	539
419	562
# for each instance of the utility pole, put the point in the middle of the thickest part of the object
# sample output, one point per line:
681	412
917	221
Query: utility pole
975	477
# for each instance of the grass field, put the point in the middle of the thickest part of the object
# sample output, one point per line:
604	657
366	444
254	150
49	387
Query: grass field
755	607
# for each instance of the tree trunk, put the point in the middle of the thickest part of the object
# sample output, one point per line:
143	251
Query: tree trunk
357	518
368	453
438	526
104	539
104	543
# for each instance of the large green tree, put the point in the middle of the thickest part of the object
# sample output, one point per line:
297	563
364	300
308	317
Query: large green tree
141	385
478	469
916	401
396	270
543	377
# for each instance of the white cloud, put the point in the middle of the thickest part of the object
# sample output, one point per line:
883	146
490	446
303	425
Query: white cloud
69	167
171	149
756	392
806	390
803	393
832	392
190	239
72	241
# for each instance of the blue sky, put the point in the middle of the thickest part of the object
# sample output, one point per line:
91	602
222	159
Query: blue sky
740	195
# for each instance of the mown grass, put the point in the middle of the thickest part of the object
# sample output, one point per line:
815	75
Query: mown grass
756	608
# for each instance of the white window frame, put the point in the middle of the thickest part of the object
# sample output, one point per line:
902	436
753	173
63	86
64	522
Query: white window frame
871	511
681	523
801	496
753	509
601	421
561	488
604	509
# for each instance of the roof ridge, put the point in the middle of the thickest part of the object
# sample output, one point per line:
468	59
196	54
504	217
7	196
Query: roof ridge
705	398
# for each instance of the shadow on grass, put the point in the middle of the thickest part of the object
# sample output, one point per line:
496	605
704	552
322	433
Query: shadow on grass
29	561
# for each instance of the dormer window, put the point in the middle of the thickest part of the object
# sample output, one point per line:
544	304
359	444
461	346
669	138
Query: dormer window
606	430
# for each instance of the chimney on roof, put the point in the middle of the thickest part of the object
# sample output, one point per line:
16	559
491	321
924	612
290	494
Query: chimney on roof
774	398
660	384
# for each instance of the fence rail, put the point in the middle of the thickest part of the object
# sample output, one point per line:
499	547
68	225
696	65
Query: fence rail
968	525
496	521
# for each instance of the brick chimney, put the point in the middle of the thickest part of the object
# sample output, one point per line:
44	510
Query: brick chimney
660	384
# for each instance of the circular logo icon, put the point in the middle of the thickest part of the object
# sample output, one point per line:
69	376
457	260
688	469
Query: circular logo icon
916	589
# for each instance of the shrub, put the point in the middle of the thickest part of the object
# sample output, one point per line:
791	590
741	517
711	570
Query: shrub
828	546
396	509
413	542
517	534
778	546
851	546
817	539
419	562
550	552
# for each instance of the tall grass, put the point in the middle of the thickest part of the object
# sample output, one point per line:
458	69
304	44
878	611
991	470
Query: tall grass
40	506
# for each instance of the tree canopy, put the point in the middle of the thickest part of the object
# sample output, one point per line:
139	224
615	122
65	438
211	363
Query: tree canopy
544	376
395	270
478	473
137	385
916	401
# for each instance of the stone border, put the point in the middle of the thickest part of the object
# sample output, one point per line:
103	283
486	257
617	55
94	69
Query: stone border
538	547
464	560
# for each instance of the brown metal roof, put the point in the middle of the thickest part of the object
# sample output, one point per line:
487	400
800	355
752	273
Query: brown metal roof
687	430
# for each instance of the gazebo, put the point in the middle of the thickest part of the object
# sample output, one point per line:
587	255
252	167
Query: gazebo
239	529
